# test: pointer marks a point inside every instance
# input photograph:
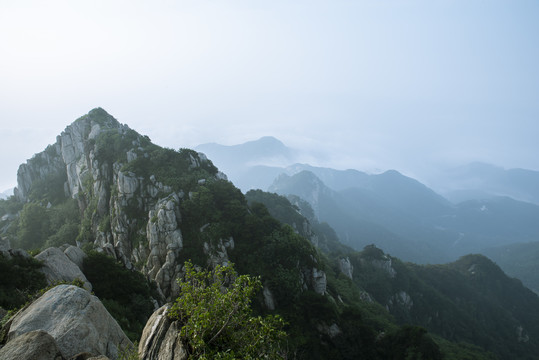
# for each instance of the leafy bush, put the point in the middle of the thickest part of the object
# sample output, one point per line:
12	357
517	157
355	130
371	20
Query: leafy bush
40	227
20	278
214	308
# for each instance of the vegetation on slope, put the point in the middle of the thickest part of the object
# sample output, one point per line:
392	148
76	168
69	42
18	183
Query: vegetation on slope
342	323
216	320
126	294
19	280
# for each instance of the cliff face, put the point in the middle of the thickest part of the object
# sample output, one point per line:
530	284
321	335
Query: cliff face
115	203
129	193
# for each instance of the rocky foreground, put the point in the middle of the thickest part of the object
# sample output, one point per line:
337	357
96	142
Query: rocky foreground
68	322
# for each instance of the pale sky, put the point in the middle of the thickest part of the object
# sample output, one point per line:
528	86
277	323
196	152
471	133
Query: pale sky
371	85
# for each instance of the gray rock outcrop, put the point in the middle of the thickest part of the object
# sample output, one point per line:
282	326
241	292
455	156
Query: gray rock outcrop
401	299
269	300
160	338
35	345
346	267
77	321
58	267
332	331
76	255
385	264
315	279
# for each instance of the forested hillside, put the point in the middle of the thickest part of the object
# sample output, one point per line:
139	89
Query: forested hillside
141	211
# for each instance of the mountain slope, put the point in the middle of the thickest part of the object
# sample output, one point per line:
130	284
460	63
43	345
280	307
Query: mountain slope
470	300
519	260
151	209
409	220
252	165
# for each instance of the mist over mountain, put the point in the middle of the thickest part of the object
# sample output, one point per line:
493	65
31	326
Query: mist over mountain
483	181
6	193
402	215
141	211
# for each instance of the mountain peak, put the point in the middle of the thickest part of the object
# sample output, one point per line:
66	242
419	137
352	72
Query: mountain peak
99	116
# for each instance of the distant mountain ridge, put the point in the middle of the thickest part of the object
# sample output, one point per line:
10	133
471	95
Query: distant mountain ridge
480	180
107	188
401	215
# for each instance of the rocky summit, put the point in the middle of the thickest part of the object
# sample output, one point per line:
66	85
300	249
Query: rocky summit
106	209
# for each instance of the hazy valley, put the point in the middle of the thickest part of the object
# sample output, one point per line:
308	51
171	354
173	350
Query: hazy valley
357	265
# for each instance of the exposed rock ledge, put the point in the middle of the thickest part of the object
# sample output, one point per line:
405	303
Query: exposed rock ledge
75	319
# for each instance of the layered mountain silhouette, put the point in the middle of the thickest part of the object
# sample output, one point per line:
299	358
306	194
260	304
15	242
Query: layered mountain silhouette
397	213
483	181
145	210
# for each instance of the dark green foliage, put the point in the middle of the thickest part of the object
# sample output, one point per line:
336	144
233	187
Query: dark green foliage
278	206
112	145
34	226
126	294
409	342
40	227
299	216
216	318
49	189
462	351
10	206
19	279
468	301
179	169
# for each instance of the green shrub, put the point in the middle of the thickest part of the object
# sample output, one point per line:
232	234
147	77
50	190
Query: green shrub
215	313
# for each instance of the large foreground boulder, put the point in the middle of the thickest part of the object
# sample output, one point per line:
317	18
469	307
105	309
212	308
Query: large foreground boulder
35	345
76	255
160	338
58	267
77	320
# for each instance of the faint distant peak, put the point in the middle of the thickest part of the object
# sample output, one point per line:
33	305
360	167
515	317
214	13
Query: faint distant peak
269	140
266	150
263	141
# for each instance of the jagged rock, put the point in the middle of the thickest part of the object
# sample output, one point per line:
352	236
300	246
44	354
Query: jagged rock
401	299
77	320
76	255
160	338
58	267
365	296
346	267
331	331
521	335
127	183
217	254
35	345
117	198
269	300
165	243
318	281
386	265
